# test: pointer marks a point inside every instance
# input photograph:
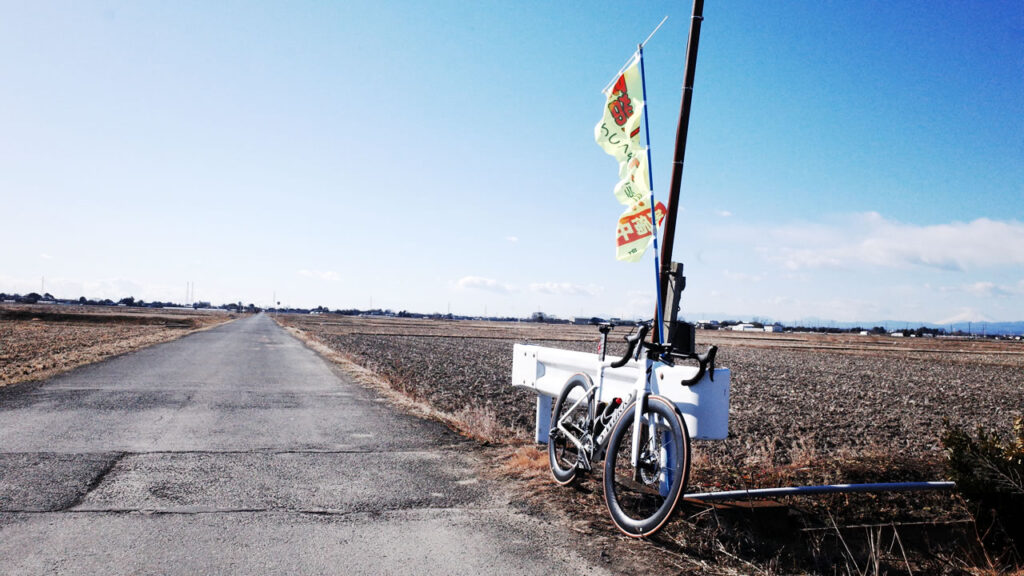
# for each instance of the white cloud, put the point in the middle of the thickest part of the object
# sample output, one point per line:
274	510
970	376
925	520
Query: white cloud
871	240
512	239
639	304
723	213
98	289
741	276
321	275
986	289
564	289
486	284
46	256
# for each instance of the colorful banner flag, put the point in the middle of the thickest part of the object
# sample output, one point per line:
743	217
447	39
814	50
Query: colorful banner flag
635	186
634	232
618	132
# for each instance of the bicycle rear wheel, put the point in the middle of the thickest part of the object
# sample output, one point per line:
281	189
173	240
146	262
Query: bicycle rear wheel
563	453
641	499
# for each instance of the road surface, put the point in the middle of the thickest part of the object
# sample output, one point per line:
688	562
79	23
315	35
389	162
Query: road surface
240	451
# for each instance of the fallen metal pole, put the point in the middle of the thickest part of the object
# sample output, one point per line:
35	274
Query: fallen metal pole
825	489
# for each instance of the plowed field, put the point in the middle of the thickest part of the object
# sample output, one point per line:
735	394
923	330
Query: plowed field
805	393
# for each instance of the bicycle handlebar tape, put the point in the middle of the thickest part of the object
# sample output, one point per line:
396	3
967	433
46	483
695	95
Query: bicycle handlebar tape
632	341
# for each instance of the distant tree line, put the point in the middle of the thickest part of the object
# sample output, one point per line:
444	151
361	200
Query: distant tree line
129	301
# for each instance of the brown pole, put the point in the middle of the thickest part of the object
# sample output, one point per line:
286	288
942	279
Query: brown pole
677	163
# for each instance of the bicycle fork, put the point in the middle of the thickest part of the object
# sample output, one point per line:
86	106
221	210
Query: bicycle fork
638	421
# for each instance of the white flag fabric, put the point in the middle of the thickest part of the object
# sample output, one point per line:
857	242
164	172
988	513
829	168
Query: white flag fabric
634	186
618	132
635	232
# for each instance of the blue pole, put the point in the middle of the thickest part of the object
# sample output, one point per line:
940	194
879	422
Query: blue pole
650	182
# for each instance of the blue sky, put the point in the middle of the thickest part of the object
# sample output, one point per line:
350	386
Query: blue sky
846	161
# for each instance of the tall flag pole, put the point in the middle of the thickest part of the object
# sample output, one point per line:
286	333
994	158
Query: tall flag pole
680	152
658	321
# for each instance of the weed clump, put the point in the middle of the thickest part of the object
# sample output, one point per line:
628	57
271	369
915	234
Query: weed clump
989	471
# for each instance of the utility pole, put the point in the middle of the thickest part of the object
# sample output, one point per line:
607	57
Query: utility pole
680	154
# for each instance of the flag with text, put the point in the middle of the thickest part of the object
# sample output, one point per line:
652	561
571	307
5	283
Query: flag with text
618	134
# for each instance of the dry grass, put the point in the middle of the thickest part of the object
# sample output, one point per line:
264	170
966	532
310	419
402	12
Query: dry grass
38	342
480	424
528	463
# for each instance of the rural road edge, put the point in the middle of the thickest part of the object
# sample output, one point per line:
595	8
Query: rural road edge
240	451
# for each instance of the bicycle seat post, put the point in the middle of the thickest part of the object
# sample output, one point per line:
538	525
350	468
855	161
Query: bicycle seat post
604	328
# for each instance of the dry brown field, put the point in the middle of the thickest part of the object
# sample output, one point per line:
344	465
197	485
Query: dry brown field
806	392
805	409
40	341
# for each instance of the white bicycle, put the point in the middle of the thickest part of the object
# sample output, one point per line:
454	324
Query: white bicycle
642	439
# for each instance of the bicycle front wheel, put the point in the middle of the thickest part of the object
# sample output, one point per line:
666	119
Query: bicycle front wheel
642	498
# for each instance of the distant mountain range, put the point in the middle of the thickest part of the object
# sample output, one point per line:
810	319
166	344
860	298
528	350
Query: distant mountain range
1002	328
998	328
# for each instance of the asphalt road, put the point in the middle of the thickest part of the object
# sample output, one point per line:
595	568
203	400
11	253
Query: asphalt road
240	451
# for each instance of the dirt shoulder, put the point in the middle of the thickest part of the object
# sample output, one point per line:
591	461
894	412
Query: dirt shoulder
38	342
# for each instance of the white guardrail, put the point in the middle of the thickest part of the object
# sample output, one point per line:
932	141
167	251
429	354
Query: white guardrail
704	405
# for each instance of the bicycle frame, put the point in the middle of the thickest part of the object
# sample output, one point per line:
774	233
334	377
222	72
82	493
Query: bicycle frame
641	390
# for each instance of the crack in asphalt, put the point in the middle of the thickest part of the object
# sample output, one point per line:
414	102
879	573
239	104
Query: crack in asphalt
95	481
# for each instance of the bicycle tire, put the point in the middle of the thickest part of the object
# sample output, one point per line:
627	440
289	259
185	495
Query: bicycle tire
563	454
641	508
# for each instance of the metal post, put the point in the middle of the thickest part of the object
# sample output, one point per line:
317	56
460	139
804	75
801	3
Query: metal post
677	283
543	427
825	489
680	153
